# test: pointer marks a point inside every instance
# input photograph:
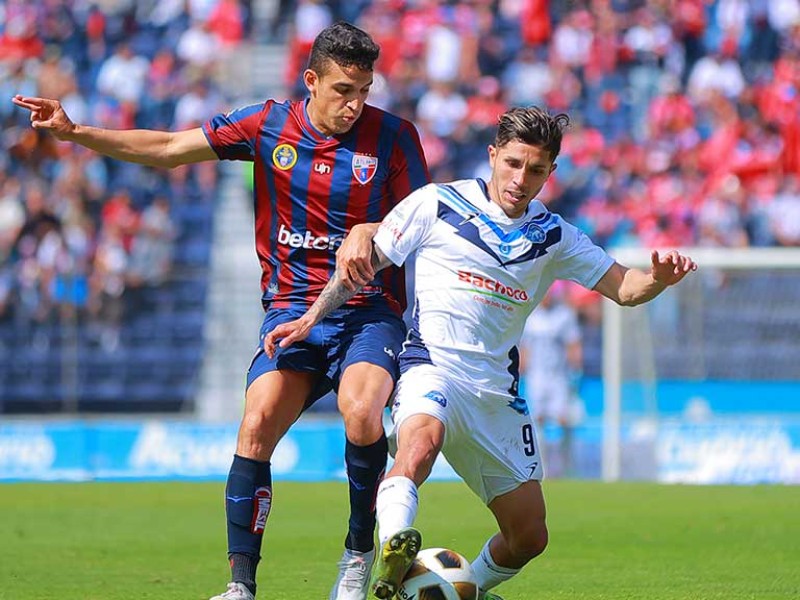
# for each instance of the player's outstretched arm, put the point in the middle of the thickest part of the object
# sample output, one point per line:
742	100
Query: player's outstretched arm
354	257
143	146
630	287
332	297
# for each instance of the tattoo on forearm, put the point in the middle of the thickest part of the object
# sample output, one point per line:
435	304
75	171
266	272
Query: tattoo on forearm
332	297
334	294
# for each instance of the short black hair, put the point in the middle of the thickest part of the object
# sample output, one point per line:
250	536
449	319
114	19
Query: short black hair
533	126
346	45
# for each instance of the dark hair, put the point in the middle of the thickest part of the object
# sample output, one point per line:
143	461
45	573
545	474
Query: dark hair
344	44
533	126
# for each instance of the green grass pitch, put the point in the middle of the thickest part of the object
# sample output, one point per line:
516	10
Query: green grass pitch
166	541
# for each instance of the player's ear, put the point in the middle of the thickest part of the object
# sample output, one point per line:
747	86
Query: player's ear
492	154
311	80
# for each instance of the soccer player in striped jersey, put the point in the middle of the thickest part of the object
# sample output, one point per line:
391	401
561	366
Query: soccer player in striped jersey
324	167
486	254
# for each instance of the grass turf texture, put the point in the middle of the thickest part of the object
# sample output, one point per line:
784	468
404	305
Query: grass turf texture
622	541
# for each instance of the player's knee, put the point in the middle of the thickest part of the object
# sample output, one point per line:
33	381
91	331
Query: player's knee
529	542
253	441
362	420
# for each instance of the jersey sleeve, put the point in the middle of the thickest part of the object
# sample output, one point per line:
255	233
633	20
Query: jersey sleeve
233	135
579	259
405	228
408	170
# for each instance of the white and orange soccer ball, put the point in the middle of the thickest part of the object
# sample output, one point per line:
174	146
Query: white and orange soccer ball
439	574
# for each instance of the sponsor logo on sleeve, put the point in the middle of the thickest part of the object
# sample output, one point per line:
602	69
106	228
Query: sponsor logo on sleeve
393	228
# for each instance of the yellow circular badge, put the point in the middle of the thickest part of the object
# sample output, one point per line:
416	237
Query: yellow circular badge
284	157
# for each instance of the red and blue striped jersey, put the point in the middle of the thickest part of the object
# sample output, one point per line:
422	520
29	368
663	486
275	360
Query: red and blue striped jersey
310	189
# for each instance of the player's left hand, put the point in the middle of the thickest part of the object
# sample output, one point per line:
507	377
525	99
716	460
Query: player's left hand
288	334
670	268
354	257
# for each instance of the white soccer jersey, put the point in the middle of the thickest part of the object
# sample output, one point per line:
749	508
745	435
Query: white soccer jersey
479	274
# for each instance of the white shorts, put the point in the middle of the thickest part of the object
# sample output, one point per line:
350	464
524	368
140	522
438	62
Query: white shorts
490	438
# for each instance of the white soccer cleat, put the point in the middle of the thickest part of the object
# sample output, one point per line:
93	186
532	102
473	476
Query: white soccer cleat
353	579
235	591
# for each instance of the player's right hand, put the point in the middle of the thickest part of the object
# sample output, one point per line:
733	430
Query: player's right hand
354	257
47	114
288	334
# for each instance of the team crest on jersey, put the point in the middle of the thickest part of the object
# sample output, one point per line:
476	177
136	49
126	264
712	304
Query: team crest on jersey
533	233
364	168
284	157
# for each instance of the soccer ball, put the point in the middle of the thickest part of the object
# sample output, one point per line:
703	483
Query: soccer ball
439	574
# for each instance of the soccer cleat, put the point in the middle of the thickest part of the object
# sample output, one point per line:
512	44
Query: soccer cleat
353	579
394	561
235	591
487	596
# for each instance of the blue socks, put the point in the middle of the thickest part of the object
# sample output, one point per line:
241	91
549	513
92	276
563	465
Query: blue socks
365	468
248	499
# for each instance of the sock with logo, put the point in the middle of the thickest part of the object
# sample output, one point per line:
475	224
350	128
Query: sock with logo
365	468
248	499
488	573
397	506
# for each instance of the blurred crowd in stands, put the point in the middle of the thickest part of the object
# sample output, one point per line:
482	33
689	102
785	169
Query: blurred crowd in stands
685	118
686	113
78	231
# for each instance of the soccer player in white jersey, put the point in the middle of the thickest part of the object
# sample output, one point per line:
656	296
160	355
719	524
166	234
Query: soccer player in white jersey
486	253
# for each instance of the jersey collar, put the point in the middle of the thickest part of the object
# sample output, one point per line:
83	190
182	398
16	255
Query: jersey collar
316	133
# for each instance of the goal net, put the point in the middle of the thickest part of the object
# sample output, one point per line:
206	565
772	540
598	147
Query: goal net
703	384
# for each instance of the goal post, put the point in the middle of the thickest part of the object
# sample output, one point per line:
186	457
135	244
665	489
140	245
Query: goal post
732	325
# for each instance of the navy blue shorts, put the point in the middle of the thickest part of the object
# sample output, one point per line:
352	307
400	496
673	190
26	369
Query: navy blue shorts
345	337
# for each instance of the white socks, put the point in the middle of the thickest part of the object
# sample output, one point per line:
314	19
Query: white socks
487	572
396	506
